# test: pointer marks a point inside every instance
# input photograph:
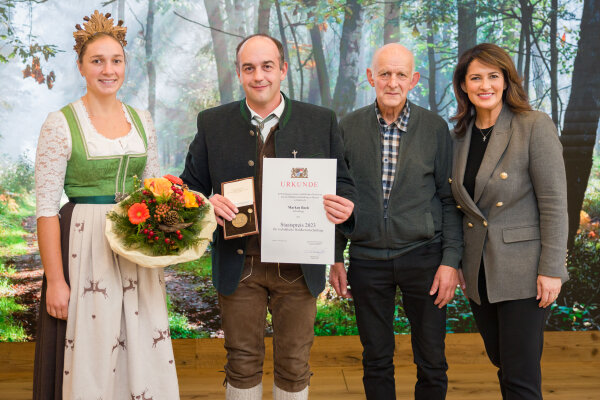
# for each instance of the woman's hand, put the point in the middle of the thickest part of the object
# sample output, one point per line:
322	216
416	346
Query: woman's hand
57	290
57	299
461	280
548	288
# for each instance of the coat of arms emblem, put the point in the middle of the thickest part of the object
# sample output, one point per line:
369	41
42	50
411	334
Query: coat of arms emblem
299	173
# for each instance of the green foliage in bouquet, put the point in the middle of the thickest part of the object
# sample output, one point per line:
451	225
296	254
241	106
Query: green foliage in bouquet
162	218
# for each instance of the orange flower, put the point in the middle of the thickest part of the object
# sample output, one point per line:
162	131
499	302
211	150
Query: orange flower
190	199
138	213
174	179
160	188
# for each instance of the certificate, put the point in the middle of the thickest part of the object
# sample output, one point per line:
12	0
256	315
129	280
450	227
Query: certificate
241	193
294	226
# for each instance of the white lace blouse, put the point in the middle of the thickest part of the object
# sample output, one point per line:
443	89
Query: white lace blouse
54	150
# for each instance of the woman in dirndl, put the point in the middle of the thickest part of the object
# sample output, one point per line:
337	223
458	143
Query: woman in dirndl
103	330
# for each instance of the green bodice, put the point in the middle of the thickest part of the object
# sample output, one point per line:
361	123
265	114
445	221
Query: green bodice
93	176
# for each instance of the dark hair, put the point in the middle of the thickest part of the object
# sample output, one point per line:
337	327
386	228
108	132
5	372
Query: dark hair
96	36
514	95
244	40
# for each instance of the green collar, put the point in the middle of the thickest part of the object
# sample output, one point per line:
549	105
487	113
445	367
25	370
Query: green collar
285	116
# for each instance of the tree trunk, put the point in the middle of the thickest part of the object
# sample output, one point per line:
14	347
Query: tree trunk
285	50
314	97
264	15
520	54
347	81
467	25
224	71
583	110
391	24
554	61
539	83
432	68
150	59
526	17
239	17
321	66
121	14
297	45
235	17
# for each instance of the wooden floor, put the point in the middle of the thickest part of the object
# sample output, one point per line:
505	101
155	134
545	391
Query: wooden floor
570	367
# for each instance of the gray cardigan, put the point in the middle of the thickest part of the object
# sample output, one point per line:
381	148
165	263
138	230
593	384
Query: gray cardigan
518	218
421	208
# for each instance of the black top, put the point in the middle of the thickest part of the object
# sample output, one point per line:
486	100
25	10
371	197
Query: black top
476	152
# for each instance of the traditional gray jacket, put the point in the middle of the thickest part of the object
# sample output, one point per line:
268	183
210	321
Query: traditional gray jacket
517	220
226	148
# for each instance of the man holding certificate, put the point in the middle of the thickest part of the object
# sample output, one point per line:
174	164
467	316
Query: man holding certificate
236	152
408	233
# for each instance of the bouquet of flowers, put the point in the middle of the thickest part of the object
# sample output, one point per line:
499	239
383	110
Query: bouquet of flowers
161	223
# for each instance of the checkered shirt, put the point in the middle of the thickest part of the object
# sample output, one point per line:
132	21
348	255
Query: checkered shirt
390	143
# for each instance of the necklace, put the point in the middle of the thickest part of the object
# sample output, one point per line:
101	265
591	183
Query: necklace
485	133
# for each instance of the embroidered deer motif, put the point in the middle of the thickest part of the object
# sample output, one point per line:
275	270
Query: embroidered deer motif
119	343
162	335
131	285
141	396
69	343
94	288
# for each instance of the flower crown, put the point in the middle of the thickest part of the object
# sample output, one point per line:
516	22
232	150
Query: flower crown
98	23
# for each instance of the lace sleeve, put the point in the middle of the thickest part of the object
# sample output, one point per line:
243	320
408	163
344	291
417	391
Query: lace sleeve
53	152
152	169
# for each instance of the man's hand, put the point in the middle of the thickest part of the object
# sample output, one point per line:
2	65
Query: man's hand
548	288
224	209
338	209
444	283
461	280
338	279
57	299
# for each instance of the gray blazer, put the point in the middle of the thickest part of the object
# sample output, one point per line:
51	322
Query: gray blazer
518	218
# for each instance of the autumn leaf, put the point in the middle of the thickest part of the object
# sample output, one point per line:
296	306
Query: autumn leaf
415	32
27	72
50	79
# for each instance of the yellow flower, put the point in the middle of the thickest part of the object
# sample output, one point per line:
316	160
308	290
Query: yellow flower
190	199
160	187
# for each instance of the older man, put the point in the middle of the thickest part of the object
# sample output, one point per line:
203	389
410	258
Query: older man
408	233
231	142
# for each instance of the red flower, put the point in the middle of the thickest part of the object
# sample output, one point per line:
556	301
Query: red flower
174	179
138	213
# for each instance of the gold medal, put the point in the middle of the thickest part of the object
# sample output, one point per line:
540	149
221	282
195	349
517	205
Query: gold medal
240	220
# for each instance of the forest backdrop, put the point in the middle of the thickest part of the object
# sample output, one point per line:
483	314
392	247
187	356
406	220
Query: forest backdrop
180	61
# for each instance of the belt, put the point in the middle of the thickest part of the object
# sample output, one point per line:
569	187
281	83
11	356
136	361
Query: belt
93	200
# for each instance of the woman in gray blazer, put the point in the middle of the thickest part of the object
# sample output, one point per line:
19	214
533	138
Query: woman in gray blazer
508	179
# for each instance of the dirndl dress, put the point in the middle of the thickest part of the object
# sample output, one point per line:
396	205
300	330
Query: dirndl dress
116	341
